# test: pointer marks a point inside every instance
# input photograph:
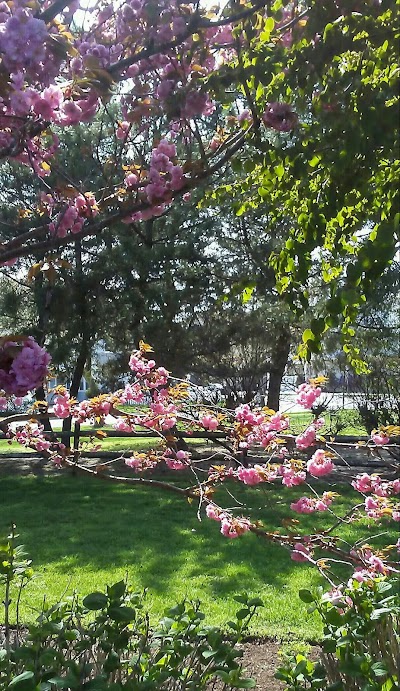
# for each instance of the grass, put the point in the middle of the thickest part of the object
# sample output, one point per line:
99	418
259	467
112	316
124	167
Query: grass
83	534
341	422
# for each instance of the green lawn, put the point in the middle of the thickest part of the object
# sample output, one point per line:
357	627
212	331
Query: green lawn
342	422
83	534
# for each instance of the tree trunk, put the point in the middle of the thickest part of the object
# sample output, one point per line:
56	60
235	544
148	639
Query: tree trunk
43	297
278	365
84	350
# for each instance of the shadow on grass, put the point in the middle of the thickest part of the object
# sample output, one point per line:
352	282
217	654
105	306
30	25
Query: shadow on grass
80	524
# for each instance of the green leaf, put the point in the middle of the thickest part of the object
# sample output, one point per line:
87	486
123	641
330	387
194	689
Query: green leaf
247	294
306	596
243	598
23	682
308	336
315	160
60	682
122	614
255	602
379	669
209	653
116	591
244	684
95	601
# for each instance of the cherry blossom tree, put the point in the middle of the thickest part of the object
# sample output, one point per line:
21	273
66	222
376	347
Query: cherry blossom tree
302	97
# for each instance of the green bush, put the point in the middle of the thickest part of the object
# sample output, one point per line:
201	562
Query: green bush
105	642
361	644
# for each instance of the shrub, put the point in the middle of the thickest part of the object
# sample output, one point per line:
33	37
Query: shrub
105	643
361	643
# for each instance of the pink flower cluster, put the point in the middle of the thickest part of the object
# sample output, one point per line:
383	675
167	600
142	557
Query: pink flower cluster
306	438
122	425
291	472
147	372
301	553
94	409
376	485
176	460
140	365
141	462
74	216
380	438
209	422
280	117
62	404
377	507
246	416
163	414
231	527
164	176
250	476
309	436
291	475
374	567
320	463
132	392
257	427
23	366
311	504
33	436
22	39
307	394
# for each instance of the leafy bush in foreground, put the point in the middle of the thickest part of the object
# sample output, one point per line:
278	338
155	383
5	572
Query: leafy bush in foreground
361	643
104	642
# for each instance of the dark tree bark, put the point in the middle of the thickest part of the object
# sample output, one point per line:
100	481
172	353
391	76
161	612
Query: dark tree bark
84	348
279	361
43	296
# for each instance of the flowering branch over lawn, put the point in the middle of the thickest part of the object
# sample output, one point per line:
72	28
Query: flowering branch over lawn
258	449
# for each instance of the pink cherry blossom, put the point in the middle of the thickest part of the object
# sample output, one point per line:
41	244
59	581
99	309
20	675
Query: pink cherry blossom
320	464
280	117
62	405
307	438
300	552
303	505
249	476
23	366
307	394
122	425
213	512
380	439
209	422
363	483
234	527
292	477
